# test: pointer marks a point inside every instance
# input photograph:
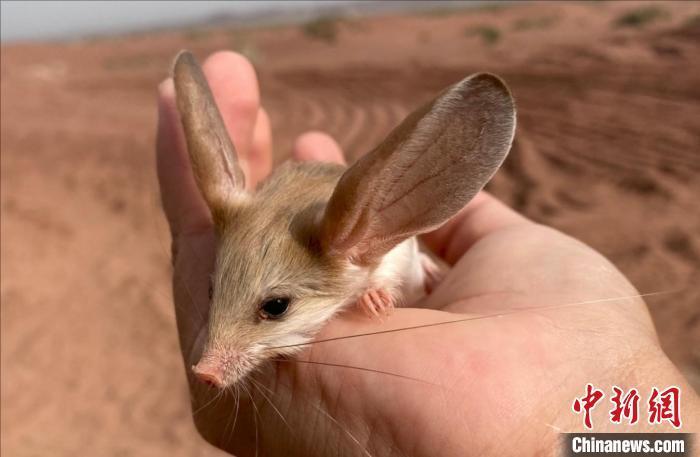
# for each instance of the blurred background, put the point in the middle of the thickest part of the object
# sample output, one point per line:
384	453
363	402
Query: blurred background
607	150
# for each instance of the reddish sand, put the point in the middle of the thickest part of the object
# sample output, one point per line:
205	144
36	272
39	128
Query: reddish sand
606	150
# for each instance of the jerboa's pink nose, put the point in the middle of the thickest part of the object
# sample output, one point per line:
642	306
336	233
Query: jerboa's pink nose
210	371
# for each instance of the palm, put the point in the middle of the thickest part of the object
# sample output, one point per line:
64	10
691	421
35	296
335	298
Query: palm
470	380
498	370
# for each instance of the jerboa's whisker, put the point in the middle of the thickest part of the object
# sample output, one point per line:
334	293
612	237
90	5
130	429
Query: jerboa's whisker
479	317
371	370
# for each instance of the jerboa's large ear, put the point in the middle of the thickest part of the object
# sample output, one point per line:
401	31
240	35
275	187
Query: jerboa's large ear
423	173
213	156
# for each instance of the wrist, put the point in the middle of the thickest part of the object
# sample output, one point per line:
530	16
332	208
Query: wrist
647	372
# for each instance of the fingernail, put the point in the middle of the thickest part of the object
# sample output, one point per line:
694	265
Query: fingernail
166	87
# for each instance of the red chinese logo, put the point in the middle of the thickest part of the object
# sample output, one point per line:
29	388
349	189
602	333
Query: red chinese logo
586	403
626	406
665	406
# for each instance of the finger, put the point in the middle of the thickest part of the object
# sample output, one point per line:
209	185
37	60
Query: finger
483	215
235	87
192	267
318	146
187	215
184	206
260	157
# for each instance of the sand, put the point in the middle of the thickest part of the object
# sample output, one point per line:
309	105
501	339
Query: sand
607	150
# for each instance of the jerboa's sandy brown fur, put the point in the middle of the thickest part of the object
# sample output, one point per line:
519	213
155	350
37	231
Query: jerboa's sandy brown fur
321	234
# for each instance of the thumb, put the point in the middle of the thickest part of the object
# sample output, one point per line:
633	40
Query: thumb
482	216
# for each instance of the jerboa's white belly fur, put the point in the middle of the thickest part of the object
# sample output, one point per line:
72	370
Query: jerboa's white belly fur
401	273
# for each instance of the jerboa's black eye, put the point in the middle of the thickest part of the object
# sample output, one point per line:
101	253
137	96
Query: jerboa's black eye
274	308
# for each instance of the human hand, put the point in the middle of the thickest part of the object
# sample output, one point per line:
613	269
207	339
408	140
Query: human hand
491	386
